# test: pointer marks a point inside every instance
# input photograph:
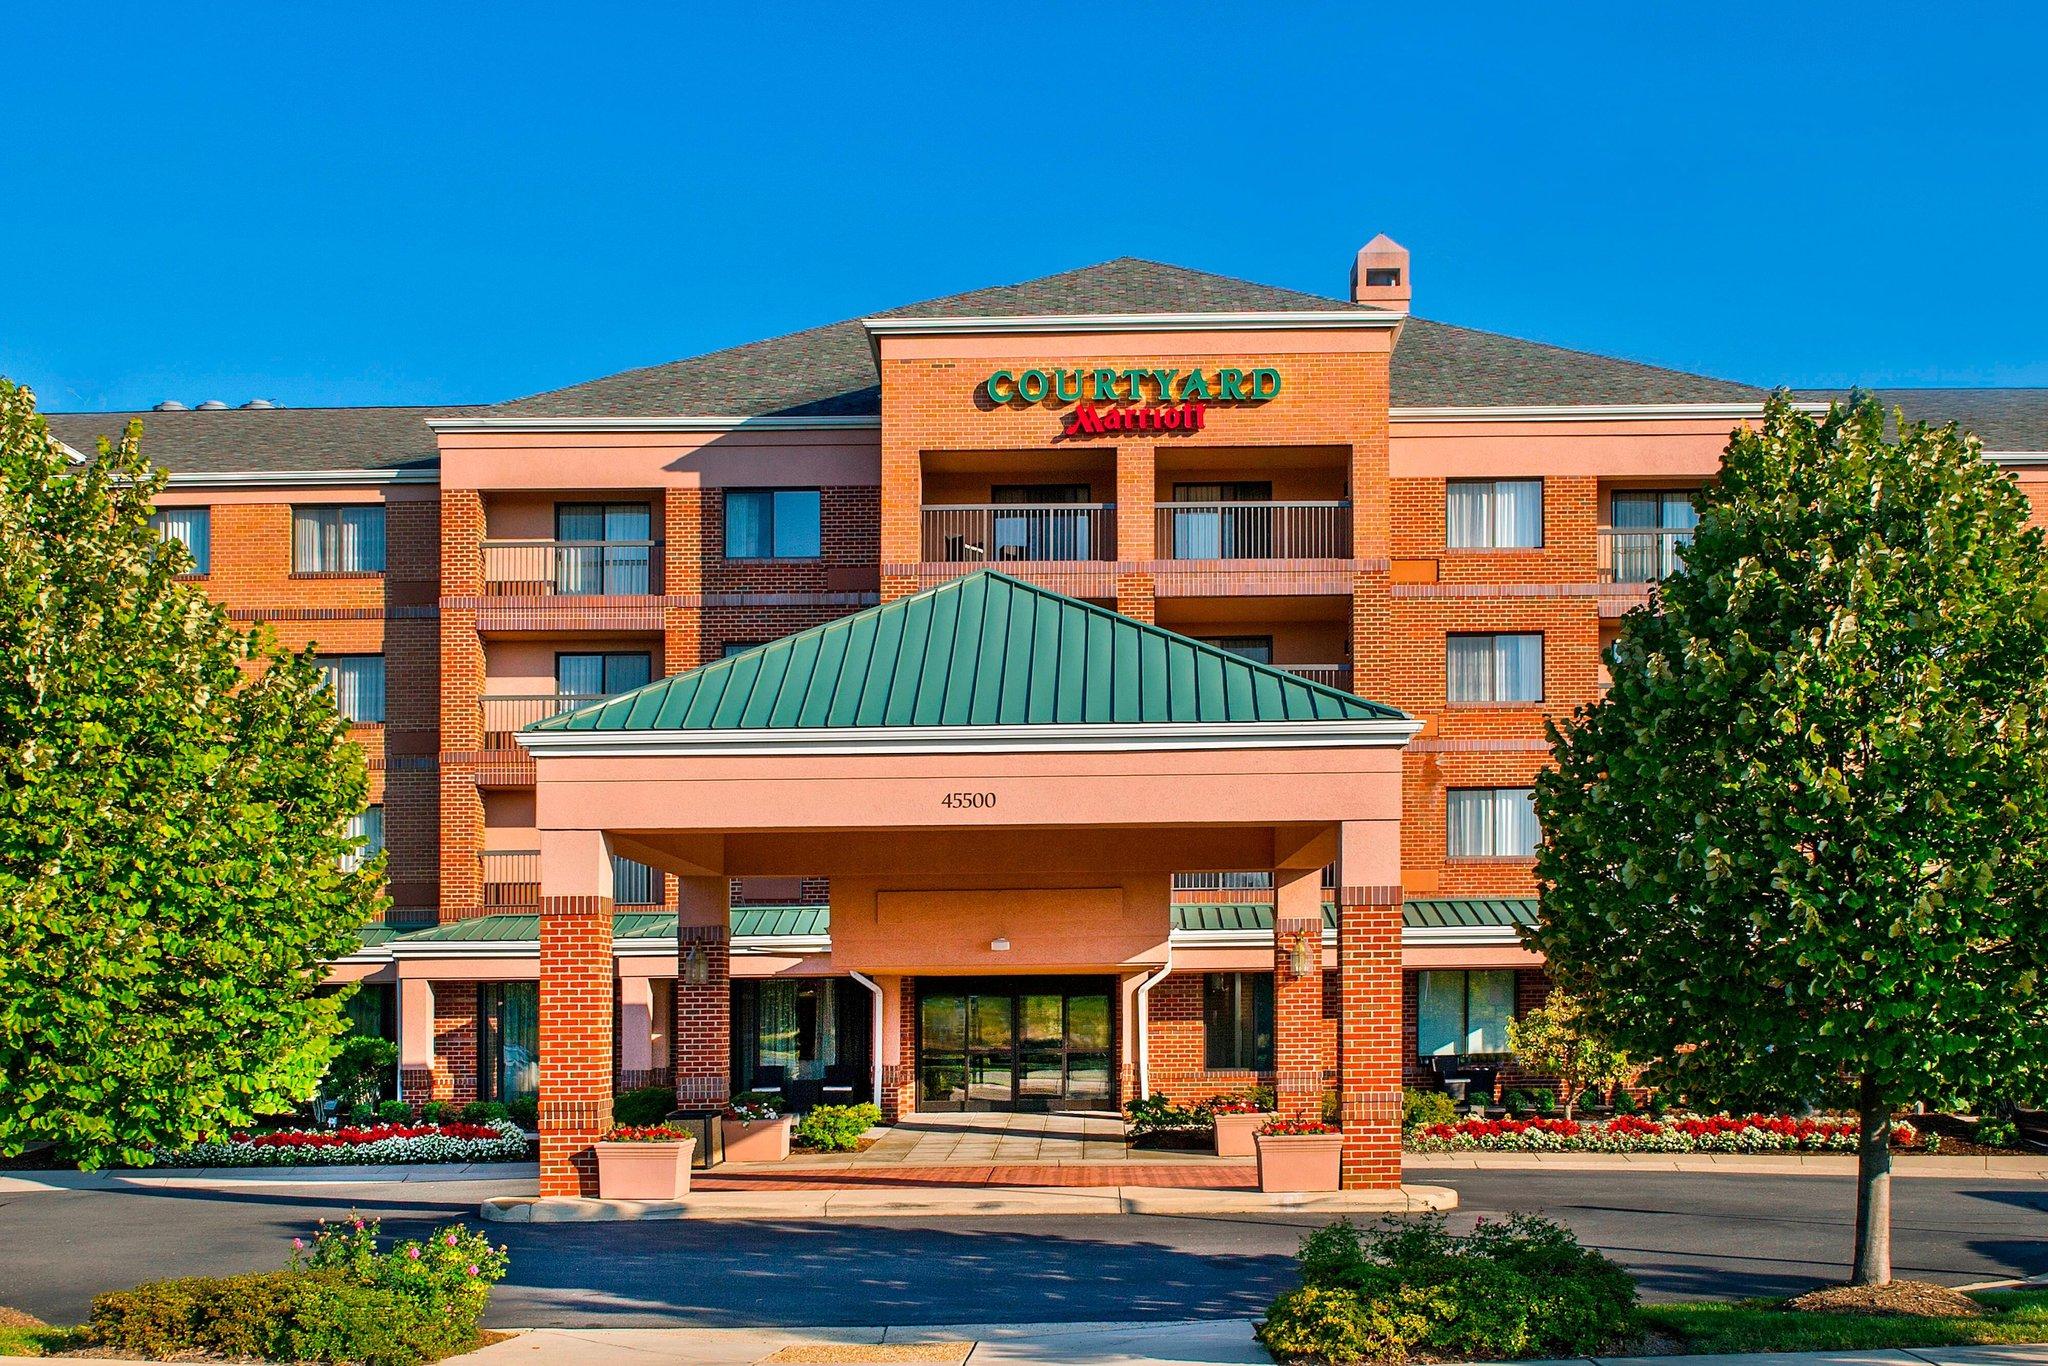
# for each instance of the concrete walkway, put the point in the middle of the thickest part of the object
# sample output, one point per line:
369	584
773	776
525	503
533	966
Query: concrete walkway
923	1201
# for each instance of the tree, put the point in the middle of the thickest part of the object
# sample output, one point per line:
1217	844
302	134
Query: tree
1556	1040
1798	847
174	796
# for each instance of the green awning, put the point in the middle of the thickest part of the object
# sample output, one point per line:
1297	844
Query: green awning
748	922
1452	912
982	650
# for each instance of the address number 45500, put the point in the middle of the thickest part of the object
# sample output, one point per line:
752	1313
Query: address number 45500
959	801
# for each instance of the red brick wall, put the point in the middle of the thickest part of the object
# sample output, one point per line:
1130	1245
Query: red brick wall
703	1025
575	1040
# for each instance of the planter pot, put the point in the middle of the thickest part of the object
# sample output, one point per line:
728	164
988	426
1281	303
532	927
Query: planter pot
756	1140
644	1171
1300	1162
1234	1133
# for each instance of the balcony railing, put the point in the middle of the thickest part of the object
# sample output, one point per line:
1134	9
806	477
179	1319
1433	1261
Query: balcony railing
1255	531
511	880
504	717
1641	554
580	568
1329	675
1000	533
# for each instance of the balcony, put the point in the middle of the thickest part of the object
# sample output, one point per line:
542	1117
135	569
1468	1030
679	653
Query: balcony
571	568
1329	675
1255	531
1014	533
511	881
505	717
1641	554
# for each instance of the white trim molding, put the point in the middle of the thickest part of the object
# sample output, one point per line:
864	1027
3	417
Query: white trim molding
267	479
1013	739
702	423
1589	412
2017	458
1304	320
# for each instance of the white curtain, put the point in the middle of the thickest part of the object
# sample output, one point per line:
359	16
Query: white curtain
1518	667
344	540
748	531
828	1024
1468	514
777	1027
368	826
1469	668
189	527
1489	822
358	684
1518	513
1439	1012
1489	1005
1514	821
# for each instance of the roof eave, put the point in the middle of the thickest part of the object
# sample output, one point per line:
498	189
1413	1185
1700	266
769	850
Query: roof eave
671	423
1378	732
1038	324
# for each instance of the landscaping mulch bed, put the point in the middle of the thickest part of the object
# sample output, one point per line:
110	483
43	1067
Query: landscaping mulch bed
1176	1140
1908	1299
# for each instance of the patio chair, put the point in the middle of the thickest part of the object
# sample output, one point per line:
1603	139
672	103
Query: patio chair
840	1079
775	1079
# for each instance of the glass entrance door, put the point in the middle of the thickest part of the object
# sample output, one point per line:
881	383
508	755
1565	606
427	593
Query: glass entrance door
1013	1045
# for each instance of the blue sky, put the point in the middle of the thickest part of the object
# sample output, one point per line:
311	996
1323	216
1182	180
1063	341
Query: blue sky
439	203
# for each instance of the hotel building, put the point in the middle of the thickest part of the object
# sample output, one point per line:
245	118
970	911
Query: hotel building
1126	681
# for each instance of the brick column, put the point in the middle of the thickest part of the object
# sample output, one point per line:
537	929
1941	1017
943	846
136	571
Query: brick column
575	1008
896	1048
1137	536
1298	995
1369	1019
703	1032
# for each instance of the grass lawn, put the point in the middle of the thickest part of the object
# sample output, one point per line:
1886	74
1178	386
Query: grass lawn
34	1342
1760	1326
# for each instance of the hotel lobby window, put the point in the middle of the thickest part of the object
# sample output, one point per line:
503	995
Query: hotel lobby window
508	1043
800	1034
1494	668
1463	1013
603	548
1237	1020
1493	514
338	540
772	524
1491	822
191	528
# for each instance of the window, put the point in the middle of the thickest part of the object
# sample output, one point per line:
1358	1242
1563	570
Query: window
602	675
737	647
634	884
358	684
366	825
1461	1013
189	527
1494	668
372	1010
1237	1019
1206	528
1493	514
508	1051
603	548
1651	529
811	1030
1492	822
771	524
1039	529
1258	649
338	540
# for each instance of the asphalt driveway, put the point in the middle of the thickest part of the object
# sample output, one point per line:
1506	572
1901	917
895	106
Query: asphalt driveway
1682	1234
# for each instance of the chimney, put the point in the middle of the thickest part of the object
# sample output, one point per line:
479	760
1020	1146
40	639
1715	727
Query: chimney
1380	275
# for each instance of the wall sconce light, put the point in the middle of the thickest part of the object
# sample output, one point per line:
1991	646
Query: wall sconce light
697	966
1000	945
1302	957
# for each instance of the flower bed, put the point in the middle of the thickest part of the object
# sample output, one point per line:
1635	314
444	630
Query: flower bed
497	1140
1636	1134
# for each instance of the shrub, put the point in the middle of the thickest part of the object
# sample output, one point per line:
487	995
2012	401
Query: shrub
393	1111
643	1105
835	1128
361	1072
362	1115
1156	1114
484	1111
1516	1103
437	1112
1523	1287
524	1111
1624	1101
342	1301
1419	1109
1251	1100
1542	1100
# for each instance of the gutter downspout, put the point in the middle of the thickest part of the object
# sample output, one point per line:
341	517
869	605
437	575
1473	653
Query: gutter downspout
874	1033
1145	1024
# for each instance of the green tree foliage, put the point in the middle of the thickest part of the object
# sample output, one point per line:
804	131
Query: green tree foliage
1798	847
173	806
1557	1040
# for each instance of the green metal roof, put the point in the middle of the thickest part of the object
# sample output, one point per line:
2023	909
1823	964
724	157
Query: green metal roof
1451	912
748	922
981	650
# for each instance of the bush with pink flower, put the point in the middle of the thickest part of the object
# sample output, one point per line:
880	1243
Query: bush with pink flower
1637	1134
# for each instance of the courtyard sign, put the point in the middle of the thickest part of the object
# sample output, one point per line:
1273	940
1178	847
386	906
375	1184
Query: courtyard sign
1151	400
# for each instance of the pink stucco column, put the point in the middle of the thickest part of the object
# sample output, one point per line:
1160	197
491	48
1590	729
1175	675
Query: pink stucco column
575	1007
415	1040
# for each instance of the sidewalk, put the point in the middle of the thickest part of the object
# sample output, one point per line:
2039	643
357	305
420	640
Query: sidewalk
908	1200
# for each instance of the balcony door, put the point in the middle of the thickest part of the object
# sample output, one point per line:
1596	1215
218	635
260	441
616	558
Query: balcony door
1651	530
1042	527
602	548
587	675
1209	528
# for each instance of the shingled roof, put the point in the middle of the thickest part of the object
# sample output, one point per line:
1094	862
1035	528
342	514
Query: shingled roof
830	371
265	440
2003	419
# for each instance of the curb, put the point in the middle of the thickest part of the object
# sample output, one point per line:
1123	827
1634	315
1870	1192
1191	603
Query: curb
1780	1164
952	1202
340	1174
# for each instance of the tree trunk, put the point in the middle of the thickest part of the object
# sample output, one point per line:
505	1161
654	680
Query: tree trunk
1873	1190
